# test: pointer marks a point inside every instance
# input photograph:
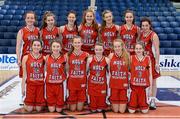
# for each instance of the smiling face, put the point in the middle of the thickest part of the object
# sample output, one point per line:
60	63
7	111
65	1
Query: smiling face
56	48
108	18
50	21
139	49
36	46
30	19
145	26
98	50
129	18
71	18
77	43
118	47
89	17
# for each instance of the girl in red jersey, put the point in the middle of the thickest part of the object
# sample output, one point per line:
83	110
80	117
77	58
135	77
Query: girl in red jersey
77	81
48	31
68	31
108	31
24	37
88	30
97	79
151	40
129	32
33	78
141	78
55	68
119	70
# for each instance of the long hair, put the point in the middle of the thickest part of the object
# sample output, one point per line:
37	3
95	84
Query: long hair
57	40
72	48
40	41
125	54
146	19
129	11
31	12
75	22
94	24
142	44
46	14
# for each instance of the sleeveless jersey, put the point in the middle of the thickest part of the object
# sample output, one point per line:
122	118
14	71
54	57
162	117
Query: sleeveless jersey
108	36
28	36
55	69
35	70
97	81
77	70
89	36
129	37
119	72
140	71
47	37
67	37
148	42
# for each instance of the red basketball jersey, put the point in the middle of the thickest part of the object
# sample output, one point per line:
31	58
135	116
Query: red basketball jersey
108	36
55	69
97	82
67	37
47	37
89	36
28	36
119	72
140	71
129	36
148	42
35	70
77	70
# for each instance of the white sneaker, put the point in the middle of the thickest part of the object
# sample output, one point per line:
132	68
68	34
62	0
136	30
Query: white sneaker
152	105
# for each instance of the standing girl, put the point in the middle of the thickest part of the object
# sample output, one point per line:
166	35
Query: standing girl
24	38
33	78
151	40
119	69
88	30
49	31
108	31
129	32
141	78
77	75
55	66
97	79
68	31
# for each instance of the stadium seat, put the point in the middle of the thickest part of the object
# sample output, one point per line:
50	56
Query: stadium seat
8	17
168	30
161	18
1	17
3	11
11	50
170	51
175	44
158	30
1	35
165	24
177	51
174	24
177	30
17	17
162	36
155	24
3	50
165	13
158	14
13	42
5	22
161	51
10	12
165	44
19	12
172	36
10	35
14	23
170	18
12	29
178	18
3	28
5	42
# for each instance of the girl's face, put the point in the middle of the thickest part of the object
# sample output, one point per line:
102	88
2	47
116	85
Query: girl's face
117	47
56	48
30	19
36	47
145	26
77	43
139	49
98	50
50	20
89	17
129	18
108	17
71	18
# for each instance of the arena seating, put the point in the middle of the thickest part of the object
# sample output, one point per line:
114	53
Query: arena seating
165	18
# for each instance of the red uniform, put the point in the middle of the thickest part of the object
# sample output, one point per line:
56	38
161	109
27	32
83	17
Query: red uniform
108	36
148	48
118	80
77	77
97	83
54	81
89	36
67	37
129	37
139	82
47	37
35	81
27	37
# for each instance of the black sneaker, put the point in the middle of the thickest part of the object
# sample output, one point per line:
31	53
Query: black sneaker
152	105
